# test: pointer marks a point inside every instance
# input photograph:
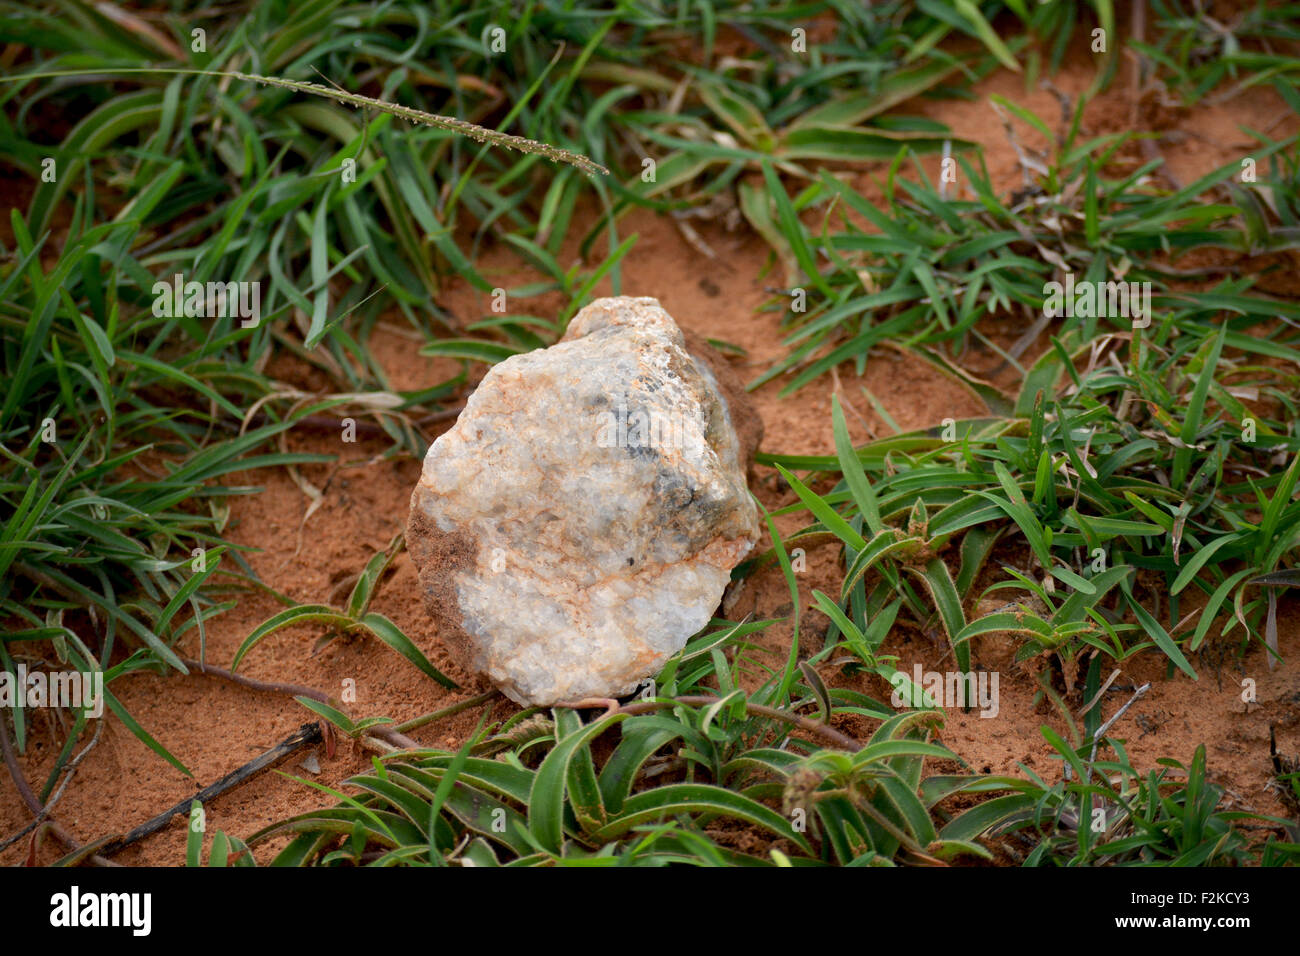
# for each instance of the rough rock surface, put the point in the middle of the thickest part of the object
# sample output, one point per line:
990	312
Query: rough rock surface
580	520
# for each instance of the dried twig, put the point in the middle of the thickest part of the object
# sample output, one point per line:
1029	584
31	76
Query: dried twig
304	736
1100	693
70	771
1137	32
420	721
1101	731
34	804
295	690
1026	162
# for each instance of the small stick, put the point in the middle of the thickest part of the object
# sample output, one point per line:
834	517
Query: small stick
306	735
70	771
1097	696
1137	32
1026	163
24	790
295	690
1101	731
34	804
610	704
420	721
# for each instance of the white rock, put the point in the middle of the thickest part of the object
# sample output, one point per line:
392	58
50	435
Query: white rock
580	521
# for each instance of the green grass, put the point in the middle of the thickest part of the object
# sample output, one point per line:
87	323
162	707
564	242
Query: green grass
1122	473
1196	55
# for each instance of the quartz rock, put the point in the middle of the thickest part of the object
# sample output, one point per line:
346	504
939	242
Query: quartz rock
580	520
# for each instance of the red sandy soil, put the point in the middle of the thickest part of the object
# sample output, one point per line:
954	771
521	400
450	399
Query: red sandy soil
214	726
